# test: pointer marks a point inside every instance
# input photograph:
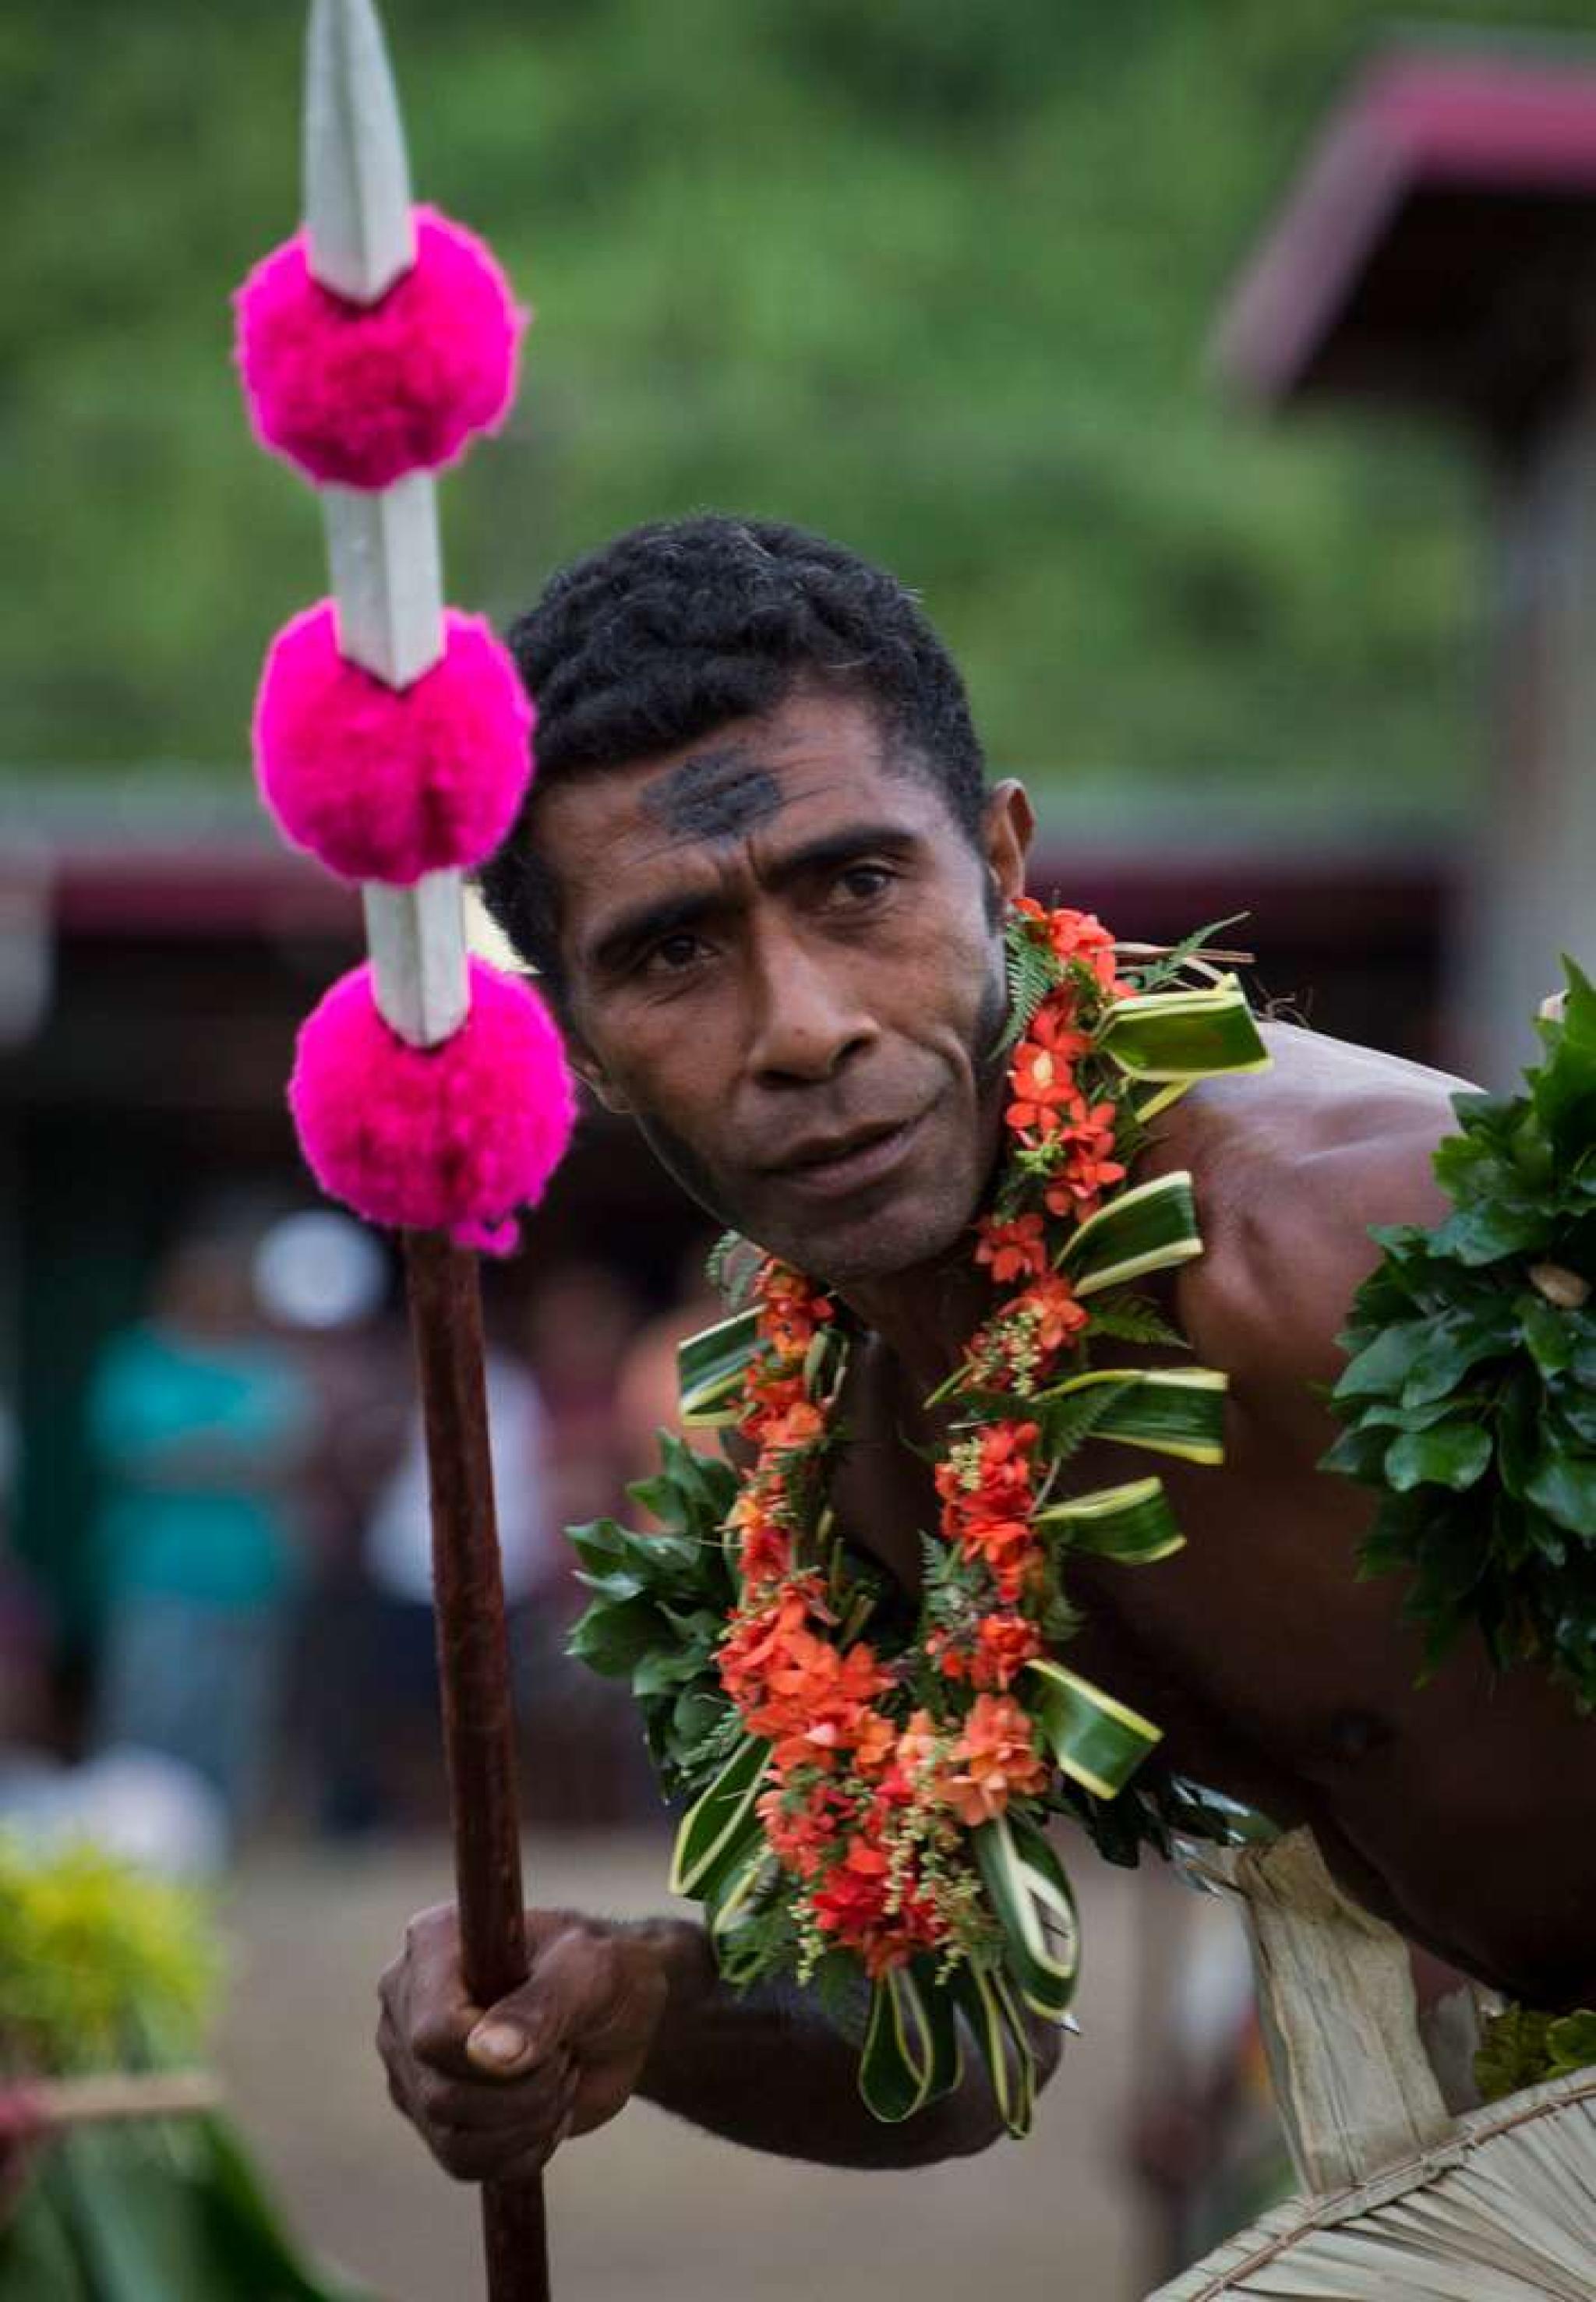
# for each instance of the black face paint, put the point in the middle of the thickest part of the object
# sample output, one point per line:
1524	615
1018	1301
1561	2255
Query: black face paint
717	795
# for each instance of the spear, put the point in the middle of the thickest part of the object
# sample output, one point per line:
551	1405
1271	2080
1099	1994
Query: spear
384	553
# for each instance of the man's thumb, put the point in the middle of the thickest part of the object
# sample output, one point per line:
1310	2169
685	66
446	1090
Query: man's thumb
500	2046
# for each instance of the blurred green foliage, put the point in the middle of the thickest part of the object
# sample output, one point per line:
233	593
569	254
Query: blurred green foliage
931	276
102	1966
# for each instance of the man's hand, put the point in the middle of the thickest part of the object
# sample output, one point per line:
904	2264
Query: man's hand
494	2091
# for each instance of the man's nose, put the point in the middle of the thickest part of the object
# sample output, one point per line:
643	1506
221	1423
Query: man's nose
811	1018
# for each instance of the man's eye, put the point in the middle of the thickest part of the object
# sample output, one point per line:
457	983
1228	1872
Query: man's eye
671	955
863	882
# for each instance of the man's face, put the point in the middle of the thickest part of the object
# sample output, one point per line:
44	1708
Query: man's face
782	958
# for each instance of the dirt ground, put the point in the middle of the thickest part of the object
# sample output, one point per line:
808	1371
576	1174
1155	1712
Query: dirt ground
650	2208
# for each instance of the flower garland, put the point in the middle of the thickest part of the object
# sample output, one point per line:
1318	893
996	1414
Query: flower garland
864	1813
874	1782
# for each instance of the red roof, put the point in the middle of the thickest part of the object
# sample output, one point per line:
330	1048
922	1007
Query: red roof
1436	247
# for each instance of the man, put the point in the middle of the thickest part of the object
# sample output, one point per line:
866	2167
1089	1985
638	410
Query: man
763	881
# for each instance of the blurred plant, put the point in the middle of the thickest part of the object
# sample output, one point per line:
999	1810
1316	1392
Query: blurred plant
103	1967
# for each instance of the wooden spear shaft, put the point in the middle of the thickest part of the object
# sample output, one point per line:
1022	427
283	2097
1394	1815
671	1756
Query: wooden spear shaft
382	548
479	1740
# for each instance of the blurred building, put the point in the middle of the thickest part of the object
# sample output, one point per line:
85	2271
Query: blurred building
1437	254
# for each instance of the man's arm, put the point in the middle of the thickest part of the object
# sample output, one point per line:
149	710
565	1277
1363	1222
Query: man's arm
613	2010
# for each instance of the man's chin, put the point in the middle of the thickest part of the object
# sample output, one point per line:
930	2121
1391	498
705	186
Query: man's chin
843	1249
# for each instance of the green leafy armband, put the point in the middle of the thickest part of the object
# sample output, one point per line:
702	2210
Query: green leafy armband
1469	1401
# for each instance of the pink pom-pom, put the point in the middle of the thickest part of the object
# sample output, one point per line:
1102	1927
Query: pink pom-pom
385	783
362	393
454	1137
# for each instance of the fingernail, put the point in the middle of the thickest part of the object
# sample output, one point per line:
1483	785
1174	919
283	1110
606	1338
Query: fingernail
498	2042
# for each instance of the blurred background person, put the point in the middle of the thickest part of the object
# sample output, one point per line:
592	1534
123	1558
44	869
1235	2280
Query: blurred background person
200	1424
580	1320
648	1391
327	1282
400	1759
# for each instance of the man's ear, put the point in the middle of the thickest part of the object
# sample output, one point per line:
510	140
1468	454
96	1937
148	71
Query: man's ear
1007	829
591	1071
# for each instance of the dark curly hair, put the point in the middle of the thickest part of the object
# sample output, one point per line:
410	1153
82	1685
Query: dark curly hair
678	628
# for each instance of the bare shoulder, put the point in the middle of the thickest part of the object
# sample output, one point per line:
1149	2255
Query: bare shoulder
1290	1168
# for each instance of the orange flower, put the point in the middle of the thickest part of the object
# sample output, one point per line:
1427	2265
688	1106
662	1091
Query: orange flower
1075	936
854	1899
1041	1076
814	1699
766	1399
1088	1167
1005	1456
1053	1027
991	1476
999	1760
852	1903
757	1640
875	1742
918	1745
1002	1543
764	1540
1059	1318
1014	1250
801	1833
1004	1644
797	1426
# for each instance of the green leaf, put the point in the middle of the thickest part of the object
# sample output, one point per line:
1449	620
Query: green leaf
39	2261
1563	1089
1449	1455
617	1586
662	1671
254	2251
612	1639
1032	973
598	1545
902	2061
1385	1364
1571	2043
131	2212
1380	1417
1184	1035
732	1903
997	2024
710	1366
1513	2054
1031	1894
1576	1408
1491	1229
1133	1319
1154	974
1565	1487
1069	1418
1094	1739
1457	1342
1150	1228
1169	1410
1132	1524
1358	1454
717	1829
1551	1336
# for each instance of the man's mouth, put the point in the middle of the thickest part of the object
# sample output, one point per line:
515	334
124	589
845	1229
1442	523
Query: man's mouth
832	1165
